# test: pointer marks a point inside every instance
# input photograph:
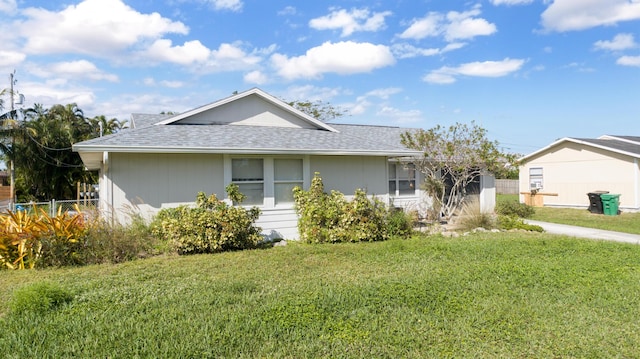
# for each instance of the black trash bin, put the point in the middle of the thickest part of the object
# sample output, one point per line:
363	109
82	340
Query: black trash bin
595	202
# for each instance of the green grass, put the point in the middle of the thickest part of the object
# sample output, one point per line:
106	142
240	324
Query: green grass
625	222
486	295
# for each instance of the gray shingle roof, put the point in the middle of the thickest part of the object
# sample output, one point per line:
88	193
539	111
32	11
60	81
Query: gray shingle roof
616	145
376	140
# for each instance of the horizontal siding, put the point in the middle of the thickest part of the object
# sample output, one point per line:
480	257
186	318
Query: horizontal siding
279	223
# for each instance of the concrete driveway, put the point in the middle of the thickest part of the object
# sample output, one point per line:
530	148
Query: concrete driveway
583	232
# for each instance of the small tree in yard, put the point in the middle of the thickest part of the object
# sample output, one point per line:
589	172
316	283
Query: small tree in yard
452	159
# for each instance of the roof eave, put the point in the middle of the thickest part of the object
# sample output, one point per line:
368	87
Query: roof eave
243	151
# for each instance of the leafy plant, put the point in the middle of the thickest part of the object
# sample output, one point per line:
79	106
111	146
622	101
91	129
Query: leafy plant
212	226
400	223
331	218
513	208
20	246
38	298
514	222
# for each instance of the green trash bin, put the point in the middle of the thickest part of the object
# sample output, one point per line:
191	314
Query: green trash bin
610	204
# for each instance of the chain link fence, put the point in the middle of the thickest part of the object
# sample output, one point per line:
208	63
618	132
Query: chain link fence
52	207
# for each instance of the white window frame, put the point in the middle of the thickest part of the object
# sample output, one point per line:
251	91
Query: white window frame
269	181
402	167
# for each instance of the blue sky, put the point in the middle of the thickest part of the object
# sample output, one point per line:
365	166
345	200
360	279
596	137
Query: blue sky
529	71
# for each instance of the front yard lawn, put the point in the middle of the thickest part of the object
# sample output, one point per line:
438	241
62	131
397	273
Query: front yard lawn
484	295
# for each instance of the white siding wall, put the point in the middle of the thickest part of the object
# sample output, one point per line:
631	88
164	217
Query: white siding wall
572	170
348	173
155	181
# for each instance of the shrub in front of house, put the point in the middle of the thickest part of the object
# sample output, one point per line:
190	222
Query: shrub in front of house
209	227
515	222
332	218
513	208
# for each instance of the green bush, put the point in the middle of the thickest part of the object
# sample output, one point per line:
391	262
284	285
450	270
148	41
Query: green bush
331	218
515	222
38	298
513	208
399	223
212	226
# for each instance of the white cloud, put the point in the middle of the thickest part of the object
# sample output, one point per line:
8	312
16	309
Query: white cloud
629	61
448	75
233	5
428	26
350	21
232	57
8	6
312	93
256	77
384	93
342	58
463	25
619	42
95	27
288	10
453	26
399	116
11	58
511	2
192	51
80	69
570	15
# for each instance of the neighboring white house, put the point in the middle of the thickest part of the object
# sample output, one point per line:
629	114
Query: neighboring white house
256	141
574	167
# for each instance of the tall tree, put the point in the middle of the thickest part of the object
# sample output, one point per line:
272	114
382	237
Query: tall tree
453	158
322	111
46	166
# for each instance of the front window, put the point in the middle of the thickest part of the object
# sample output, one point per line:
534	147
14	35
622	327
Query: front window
402	179
535	178
287	175
248	174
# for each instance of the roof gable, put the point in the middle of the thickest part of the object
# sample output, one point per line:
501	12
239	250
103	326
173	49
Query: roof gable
616	144
250	108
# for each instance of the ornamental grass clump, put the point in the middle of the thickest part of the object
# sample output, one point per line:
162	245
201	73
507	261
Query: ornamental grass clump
38	298
212	226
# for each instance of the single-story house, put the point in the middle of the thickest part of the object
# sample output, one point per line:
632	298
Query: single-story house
258	142
570	168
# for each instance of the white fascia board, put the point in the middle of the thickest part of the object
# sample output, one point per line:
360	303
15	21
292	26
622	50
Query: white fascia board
262	151
525	158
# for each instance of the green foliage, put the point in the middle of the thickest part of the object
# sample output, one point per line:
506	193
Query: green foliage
107	242
38	298
399	223
331	218
212	226
36	239
453	158
508	222
513	208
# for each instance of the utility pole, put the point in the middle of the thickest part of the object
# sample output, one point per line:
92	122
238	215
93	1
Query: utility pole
12	173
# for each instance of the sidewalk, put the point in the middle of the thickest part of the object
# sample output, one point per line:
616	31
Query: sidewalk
590	233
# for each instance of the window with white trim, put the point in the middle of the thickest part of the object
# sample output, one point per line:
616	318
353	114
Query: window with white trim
535	178
248	174
402	179
287	174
